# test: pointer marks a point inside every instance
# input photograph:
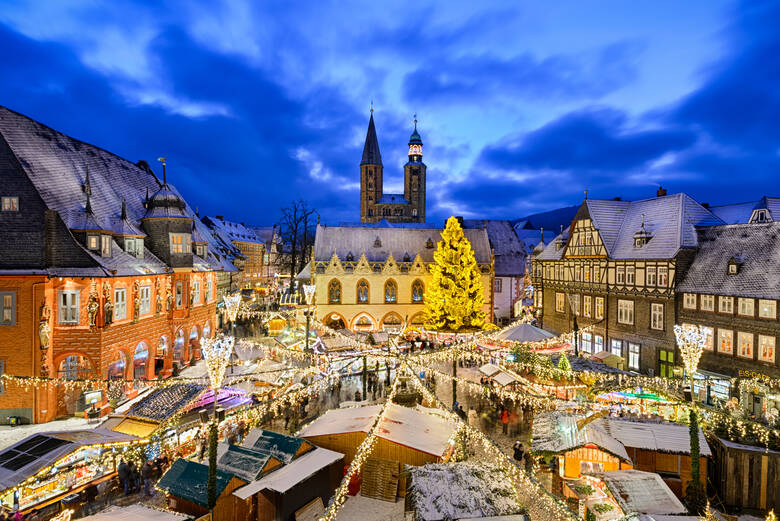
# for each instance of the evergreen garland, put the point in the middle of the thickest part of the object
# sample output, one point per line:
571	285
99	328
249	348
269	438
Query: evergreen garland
695	495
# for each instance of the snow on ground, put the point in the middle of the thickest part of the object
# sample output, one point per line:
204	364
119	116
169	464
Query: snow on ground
359	508
10	435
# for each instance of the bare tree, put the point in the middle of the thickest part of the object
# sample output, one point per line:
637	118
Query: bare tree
297	229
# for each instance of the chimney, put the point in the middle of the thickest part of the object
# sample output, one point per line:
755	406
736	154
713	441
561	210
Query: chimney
617	199
661	191
705	205
220	217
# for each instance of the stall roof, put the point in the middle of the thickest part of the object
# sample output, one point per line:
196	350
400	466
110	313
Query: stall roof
244	463
503	379
662	437
525	333
136	512
557	432
489	369
161	404
188	480
27	457
402	425
641	492
280	446
283	479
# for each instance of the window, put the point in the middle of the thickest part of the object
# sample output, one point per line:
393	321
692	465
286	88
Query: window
557	272
621	275
334	292
599	307
209	291
130	246
588	273
633	356
497	285
120	304
745	345
180	243
69	307
417	291
7	308
587	342
538	299
707	303
10	204
630	275
362	292
598	344
560	302
105	245
760	216
766	348
616	347
725	341
709	336
625	311
767	308
656	316
575	304
92	242
726	304
650	279
179	294
577	273
732	268
196	292
689	300
391	291
587	306
146	299
663	277
746	307
596	274
665	363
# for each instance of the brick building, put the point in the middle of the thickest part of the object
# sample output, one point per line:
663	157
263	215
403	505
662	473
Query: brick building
104	271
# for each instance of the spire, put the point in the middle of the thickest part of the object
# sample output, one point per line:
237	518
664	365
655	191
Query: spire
124	210
371	155
162	160
415	137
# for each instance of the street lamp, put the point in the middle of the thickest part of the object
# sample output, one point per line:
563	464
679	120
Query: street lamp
691	341
217	352
308	291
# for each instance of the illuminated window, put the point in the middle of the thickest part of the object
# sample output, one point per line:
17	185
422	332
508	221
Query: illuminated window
587	306
599	307
767	308
663	277
689	300
417	291
181	243
745	345
362	292
725	341
709	337
746	306
7	308
391	291
726	304
560	302
656	316
766	348
92	242
334	292
10	204
707	303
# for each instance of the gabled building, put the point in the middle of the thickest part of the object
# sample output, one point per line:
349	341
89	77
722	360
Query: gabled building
104	271
765	210
614	271
254	256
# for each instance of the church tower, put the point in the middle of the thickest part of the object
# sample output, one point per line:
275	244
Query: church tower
414	177
370	175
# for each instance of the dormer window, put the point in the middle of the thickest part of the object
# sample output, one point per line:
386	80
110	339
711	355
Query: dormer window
407	258
760	216
93	242
734	265
350	257
642	236
559	243
429	243
181	243
377	242
201	251
10	204
105	245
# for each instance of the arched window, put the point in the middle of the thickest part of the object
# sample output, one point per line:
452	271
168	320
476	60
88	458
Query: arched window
417	291
334	292
391	291
206	330
362	292
178	347
392	323
139	360
75	367
116	369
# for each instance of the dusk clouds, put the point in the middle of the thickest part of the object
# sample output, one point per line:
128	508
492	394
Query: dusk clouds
520	108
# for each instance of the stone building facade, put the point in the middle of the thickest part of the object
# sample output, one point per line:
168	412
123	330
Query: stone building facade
104	271
375	205
374	278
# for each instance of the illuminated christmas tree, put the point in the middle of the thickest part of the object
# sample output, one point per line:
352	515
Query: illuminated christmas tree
454	296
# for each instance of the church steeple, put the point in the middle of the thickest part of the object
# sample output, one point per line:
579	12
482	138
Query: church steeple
371	155
415	144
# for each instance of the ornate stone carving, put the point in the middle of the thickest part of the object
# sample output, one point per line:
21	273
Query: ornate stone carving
136	301
44	329
169	296
108	305
93	306
159	301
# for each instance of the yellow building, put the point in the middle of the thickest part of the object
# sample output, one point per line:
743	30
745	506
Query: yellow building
372	278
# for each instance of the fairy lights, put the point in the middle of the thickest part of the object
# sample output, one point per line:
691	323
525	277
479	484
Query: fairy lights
232	303
217	353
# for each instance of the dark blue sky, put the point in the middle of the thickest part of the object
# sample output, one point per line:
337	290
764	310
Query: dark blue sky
522	105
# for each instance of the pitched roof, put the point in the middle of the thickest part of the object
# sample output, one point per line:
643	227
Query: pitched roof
758	248
641	492
662	437
164	402
188	480
235	231
510	252
371	155
57	165
398	241
740	213
557	432
280	446
245	463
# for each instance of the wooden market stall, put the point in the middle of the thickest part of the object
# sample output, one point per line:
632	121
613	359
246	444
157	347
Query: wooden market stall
746	476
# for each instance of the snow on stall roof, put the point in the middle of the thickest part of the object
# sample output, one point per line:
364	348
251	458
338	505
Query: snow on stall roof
465	490
557	432
489	369
284	478
511	517
641	492
504	379
742	446
662	437
402	425
525	333
136	512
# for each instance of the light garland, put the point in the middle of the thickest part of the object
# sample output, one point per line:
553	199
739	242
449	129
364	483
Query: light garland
232	303
217	352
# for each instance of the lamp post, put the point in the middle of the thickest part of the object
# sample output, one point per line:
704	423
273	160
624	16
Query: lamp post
308	291
690	340
217	352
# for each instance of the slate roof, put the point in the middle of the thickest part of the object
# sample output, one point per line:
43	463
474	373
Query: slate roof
280	446
267	234
551	252
510	252
371	155
740	213
188	480
398	241
57	165
672	221
392	199
235	231
757	246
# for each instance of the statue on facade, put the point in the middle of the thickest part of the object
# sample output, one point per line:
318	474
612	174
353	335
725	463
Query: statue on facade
169	296
108	306
136	301
192	294
159	300
92	307
44	329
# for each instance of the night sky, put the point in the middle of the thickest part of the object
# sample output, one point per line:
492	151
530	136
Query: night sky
521	105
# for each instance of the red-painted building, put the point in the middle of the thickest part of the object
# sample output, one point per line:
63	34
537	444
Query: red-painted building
105	271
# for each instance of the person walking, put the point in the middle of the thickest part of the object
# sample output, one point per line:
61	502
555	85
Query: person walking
147	474
123	471
505	422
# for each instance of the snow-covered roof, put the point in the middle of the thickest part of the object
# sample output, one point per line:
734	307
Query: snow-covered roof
238	232
510	252
525	333
557	432
489	369
661	437
504	379
465	490
641	492
402	425
136	512
284	478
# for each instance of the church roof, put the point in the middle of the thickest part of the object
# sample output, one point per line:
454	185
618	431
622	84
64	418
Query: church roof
379	243
415	137
371	155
